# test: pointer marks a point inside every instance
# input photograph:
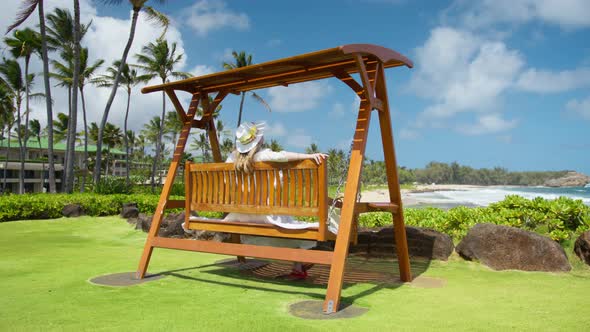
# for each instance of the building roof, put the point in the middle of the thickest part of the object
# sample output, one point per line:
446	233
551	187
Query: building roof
59	146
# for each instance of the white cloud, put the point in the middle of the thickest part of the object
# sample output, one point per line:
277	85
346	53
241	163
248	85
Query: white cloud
274	43
337	110
579	107
276	129
201	70
486	124
408	134
462	73
298	97
299	139
568	14
544	81
207	15
105	39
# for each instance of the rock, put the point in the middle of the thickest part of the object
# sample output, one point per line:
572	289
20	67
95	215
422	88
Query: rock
172	225
582	247
129	210
143	222
509	248
422	242
571	179
72	210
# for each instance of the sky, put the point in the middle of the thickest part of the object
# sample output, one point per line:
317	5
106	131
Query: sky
495	82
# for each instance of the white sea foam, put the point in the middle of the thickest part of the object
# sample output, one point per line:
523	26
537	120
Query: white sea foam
483	196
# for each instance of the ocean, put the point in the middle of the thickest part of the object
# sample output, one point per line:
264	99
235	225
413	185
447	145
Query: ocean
487	195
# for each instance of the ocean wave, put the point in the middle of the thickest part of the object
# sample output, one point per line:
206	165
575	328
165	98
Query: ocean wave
486	196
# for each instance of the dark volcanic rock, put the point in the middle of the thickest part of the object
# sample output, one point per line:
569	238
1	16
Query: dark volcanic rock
422	242
504	248
129	210
172	225
582	247
571	179
72	210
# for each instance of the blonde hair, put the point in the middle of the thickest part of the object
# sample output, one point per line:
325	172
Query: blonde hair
244	162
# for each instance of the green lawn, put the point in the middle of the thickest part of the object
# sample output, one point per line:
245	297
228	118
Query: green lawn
45	267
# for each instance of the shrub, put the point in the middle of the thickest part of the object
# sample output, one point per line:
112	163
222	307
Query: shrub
44	206
112	185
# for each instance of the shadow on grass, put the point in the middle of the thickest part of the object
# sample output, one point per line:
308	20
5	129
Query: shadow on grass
382	273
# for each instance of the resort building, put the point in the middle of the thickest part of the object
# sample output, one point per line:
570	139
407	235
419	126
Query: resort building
36	167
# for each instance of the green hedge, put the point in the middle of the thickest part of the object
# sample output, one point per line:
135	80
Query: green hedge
560	218
45	206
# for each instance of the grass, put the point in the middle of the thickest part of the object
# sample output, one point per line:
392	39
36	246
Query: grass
45	267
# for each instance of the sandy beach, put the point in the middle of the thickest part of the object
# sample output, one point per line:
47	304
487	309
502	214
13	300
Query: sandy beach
412	197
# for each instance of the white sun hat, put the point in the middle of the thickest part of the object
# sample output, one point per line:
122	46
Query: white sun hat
248	135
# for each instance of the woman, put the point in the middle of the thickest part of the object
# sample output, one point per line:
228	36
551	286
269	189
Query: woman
249	141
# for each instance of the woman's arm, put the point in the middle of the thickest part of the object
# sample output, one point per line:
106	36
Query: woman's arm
317	157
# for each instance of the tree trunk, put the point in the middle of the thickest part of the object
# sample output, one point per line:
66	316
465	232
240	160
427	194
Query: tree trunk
83	184
51	161
241	107
23	147
21	176
105	115
7	155
64	170
126	138
159	142
71	144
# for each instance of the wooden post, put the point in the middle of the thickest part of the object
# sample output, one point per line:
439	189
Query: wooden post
359	144
159	213
393	180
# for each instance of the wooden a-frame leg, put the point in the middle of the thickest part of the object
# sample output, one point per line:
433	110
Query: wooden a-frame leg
159	213
393	181
335	281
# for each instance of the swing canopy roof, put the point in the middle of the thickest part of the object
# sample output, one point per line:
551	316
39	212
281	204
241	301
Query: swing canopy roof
301	68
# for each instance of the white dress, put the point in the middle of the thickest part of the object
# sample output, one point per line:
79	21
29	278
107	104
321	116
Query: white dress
279	220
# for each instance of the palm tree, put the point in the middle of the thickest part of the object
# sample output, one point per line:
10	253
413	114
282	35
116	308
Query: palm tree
313	148
151	132
64	73
158	60
14	84
154	16
202	143
172	125
65	34
60	127
141	140
24	44
275	145
6	121
113	137
243	60
71	139
129	78
28	8
35	130
227	147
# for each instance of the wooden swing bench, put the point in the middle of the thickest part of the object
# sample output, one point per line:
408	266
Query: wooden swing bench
297	188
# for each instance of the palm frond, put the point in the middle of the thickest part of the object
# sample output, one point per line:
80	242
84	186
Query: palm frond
181	74
260	100
26	9
157	18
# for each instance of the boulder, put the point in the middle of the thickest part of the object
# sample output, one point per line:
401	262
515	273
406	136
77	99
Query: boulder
571	179
143	222
129	210
582	247
509	248
422	242
72	210
172	225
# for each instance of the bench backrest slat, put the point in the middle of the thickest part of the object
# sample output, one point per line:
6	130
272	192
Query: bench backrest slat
292	188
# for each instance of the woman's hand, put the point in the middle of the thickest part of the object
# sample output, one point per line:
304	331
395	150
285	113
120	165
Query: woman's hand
318	157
